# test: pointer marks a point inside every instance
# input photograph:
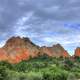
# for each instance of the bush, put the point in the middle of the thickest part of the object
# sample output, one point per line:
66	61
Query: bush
54	73
13	75
34	76
71	76
3	73
21	67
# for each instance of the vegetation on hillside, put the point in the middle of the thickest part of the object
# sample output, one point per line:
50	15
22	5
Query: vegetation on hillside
41	68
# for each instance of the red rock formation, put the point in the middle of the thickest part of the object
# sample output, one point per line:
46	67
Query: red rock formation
65	54
17	49
3	55
77	52
55	51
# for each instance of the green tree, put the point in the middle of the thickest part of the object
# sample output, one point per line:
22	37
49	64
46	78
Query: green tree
21	67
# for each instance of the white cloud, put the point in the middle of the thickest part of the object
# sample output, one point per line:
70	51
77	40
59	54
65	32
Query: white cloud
24	19
19	26
2	43
42	20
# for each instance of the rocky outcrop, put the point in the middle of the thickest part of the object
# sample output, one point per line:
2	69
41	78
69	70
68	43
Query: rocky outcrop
55	51
17	49
77	52
3	54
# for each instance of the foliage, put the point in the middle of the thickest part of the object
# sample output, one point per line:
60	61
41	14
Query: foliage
3	73
40	68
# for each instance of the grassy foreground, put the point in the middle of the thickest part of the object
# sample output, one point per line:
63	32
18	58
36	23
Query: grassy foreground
41	68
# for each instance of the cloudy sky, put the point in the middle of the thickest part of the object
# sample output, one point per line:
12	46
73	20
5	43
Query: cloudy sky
46	22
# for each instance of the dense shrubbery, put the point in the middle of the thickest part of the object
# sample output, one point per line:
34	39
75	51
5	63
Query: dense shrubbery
3	73
41	68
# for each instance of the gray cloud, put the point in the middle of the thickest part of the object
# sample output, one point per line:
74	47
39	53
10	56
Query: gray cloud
44	21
